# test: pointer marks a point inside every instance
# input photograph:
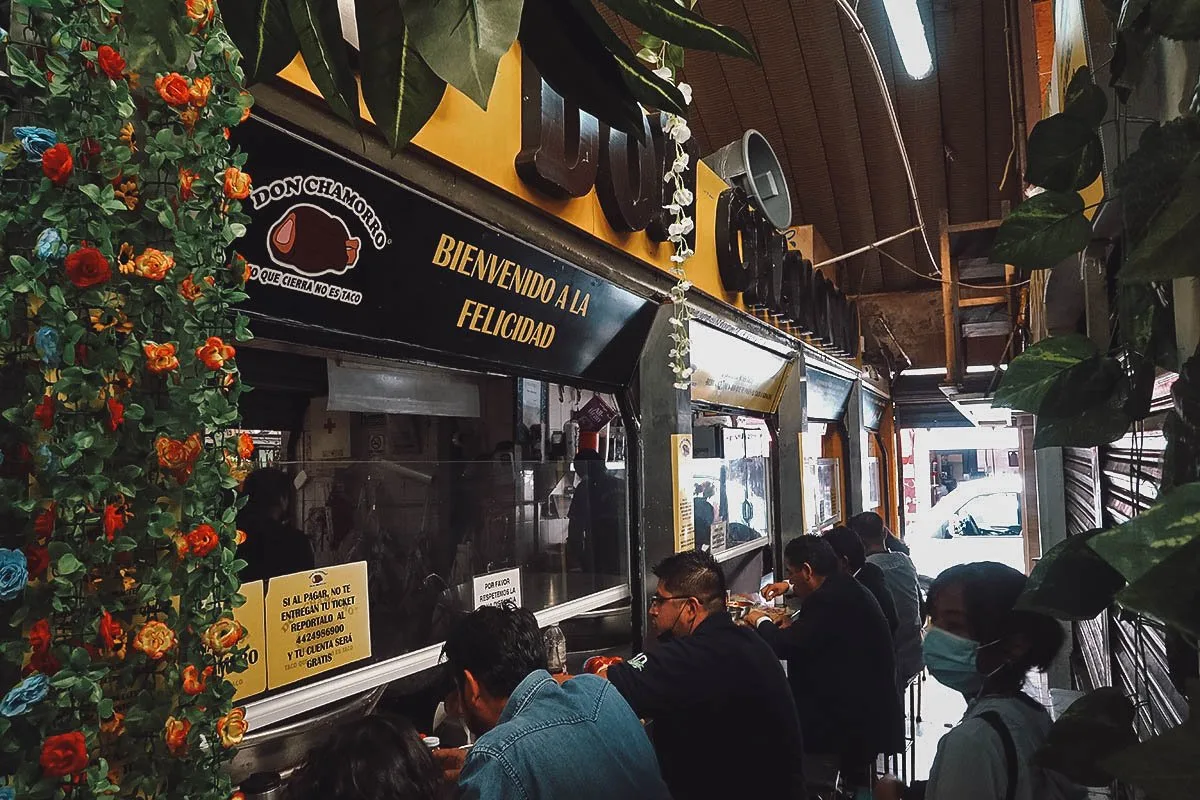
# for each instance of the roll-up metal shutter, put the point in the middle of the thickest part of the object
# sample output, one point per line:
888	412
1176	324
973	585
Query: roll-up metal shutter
1081	478
1130	476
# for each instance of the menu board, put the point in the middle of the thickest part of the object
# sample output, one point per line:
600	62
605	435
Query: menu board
250	615
681	472
316	621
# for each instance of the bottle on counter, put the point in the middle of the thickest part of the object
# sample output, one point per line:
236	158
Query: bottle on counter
555	643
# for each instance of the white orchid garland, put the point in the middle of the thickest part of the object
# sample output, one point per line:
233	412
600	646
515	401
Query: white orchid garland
682	199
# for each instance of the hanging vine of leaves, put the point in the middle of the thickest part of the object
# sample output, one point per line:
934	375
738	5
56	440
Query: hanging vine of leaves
121	198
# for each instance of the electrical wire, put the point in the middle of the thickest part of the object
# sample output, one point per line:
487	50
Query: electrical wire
935	279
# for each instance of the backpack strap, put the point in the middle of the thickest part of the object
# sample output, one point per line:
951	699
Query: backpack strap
1010	750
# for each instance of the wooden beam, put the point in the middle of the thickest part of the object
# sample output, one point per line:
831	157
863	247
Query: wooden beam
966	227
949	300
988	300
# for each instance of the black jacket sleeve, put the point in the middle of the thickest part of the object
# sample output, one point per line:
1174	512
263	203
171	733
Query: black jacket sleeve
662	682
806	635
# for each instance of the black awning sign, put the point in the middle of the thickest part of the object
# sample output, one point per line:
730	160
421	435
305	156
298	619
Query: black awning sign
337	246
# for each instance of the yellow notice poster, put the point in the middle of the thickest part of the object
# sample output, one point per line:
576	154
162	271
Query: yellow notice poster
682	483
250	615
316	621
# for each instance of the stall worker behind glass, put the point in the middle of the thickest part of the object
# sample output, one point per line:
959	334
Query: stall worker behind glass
594	518
272	547
724	722
537	739
841	668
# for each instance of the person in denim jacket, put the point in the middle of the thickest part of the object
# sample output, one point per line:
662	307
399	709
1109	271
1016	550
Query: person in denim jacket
538	739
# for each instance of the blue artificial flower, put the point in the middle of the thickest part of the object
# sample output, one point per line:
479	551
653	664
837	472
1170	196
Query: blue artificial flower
49	345
8	793
14	573
25	695
50	245
36	141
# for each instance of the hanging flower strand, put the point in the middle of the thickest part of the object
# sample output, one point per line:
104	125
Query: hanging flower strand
667	61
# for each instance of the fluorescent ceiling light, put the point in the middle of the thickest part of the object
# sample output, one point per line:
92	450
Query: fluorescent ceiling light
923	371
905	19
982	368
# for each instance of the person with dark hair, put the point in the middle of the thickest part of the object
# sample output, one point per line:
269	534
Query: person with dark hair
272	547
905	587
377	757
981	645
840	665
852	560
710	682
577	741
594	517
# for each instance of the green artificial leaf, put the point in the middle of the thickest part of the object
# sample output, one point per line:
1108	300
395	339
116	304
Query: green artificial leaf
648	89
20	66
1165	767
262	30
1090	426
1168	250
1064	154
1176	19
1151	175
68	564
157	41
1170	592
1043	231
1137	546
1071	581
1085	100
318	28
576	65
462	41
1043	365
400	89
1092	728
679	25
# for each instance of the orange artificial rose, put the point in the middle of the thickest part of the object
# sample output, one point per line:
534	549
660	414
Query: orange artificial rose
231	728
114	520
160	358
214	353
111	62
176	734
203	540
186	179
237	184
245	445
173	89
153	264
86	267
200	11
195	681
57	164
199	91
239	538
114	725
222	636
189	117
178	457
154	639
64	754
190	291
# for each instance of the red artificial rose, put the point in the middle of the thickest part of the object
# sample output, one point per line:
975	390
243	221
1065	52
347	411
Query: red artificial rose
57	164
111	62
87	266
64	754
43	524
89	150
39	636
81	354
114	520
173	89
37	558
111	632
195	681
44	663
116	413
44	412
202	541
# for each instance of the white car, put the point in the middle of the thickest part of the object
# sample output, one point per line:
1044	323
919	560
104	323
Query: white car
979	521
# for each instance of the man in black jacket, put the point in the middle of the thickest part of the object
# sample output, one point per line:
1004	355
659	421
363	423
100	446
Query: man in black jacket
841	667
715	692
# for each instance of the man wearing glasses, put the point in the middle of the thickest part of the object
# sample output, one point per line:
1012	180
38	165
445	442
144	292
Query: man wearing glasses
715	692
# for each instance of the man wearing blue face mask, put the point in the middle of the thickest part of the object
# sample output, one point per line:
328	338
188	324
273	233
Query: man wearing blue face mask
980	645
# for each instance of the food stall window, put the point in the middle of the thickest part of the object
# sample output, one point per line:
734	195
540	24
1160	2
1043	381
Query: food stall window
732	480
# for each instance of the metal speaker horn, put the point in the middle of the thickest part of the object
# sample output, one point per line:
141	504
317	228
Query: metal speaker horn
750	164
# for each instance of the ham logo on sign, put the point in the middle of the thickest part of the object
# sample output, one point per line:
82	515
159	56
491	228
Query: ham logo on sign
312	241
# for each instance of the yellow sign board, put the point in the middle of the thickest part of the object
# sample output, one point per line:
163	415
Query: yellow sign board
251	616
316	621
682	484
733	372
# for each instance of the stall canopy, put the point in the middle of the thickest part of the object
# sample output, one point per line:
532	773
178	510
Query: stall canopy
921	404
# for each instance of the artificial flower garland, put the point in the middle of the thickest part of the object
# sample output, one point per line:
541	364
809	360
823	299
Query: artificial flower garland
667	60
120	198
